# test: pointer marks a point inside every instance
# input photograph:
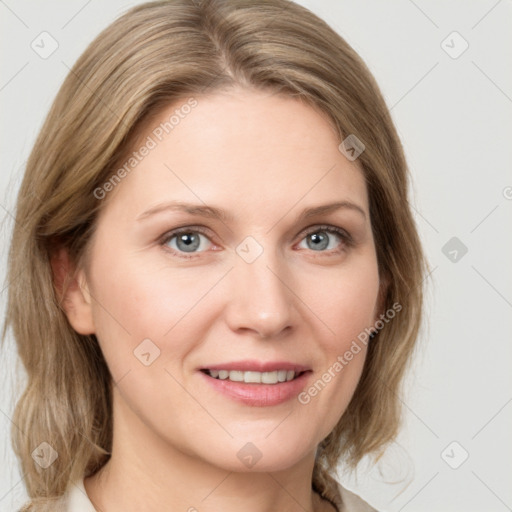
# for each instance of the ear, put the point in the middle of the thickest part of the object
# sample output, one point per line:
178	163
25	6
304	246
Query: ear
72	292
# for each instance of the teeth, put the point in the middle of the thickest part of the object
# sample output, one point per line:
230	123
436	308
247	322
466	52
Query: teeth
258	377
254	377
236	376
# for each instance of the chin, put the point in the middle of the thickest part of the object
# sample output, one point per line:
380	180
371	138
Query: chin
260	454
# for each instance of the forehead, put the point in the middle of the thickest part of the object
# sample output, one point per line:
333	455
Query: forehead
241	148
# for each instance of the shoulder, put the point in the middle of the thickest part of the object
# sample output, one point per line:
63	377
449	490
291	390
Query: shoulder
351	502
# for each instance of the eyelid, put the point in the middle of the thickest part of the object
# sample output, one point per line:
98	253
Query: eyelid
185	229
327	227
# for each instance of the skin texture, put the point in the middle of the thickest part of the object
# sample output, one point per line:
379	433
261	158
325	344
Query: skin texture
264	158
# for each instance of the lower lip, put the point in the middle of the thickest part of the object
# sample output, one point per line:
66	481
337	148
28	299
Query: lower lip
259	395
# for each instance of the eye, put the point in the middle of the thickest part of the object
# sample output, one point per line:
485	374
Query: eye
189	241
185	240
320	237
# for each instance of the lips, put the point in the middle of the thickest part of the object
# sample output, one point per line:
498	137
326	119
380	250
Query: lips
257	383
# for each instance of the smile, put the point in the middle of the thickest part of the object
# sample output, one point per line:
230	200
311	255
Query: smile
257	389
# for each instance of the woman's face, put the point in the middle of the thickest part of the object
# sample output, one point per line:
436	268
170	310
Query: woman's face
264	287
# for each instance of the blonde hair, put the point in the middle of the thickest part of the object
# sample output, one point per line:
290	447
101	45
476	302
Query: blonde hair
154	55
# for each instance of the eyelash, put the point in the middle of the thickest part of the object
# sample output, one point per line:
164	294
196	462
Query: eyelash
344	235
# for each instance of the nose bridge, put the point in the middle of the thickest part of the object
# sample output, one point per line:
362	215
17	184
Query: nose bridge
260	300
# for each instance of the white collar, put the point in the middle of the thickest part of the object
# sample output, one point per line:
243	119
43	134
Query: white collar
78	501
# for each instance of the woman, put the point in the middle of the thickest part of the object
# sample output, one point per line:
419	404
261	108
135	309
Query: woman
218	277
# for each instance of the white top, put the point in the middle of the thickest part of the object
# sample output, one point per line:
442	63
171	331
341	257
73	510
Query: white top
78	501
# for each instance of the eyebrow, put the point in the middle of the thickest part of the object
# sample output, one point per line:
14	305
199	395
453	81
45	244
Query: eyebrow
212	212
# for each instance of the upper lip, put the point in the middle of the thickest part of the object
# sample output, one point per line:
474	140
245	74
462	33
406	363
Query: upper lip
258	366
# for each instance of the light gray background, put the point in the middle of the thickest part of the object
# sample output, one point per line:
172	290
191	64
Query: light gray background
454	116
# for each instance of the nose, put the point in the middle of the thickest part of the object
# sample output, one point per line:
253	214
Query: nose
260	297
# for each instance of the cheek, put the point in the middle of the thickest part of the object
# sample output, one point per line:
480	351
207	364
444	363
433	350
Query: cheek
137	299
344	301
140	311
